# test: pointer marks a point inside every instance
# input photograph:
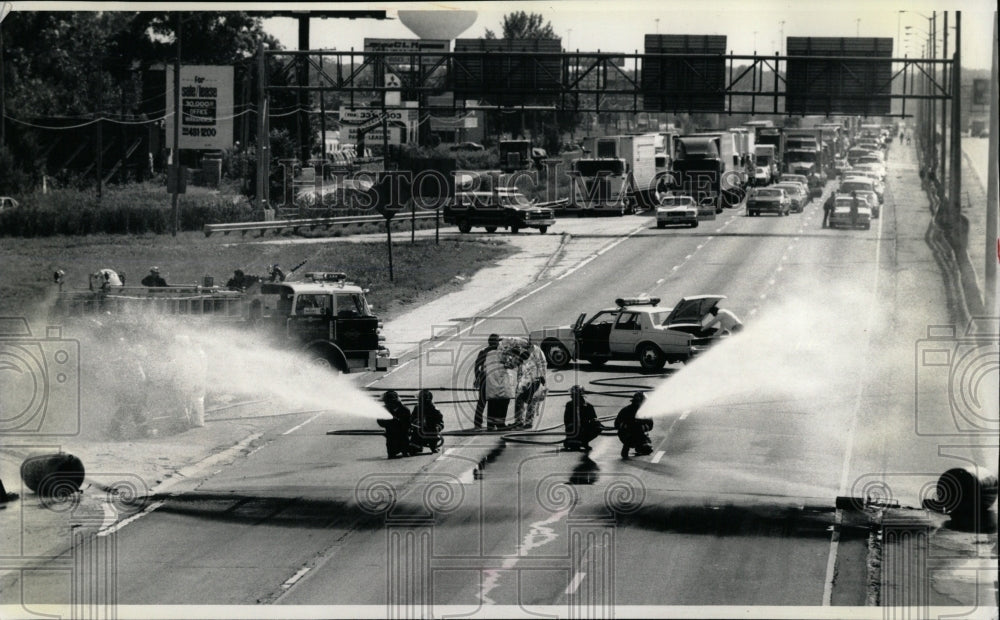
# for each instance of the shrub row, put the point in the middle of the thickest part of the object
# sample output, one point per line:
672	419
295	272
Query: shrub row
135	209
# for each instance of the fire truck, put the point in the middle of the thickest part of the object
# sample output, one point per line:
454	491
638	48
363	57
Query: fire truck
325	316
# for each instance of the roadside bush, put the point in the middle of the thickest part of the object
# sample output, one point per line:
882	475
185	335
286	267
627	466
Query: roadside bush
13	178
133	209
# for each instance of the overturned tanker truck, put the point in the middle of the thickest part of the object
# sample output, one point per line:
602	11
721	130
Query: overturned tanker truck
324	315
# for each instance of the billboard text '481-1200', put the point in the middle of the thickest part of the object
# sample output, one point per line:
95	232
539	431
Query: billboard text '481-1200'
206	106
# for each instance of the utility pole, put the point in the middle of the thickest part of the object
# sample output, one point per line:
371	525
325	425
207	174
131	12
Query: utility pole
956	137
322	120
3	100
98	133
932	119
992	206
175	209
944	108
302	97
263	138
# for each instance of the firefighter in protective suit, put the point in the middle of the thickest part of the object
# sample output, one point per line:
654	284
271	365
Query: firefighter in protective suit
397	428
580	419
427	423
632	431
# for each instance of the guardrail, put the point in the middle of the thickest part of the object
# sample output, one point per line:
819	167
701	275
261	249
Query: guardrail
313	223
310	223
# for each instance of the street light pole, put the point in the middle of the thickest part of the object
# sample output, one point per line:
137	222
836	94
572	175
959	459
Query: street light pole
956	136
992	239
899	14
3	105
944	107
175	209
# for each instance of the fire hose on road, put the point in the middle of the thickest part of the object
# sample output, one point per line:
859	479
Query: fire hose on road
531	436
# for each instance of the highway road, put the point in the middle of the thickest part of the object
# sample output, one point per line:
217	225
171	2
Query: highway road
736	506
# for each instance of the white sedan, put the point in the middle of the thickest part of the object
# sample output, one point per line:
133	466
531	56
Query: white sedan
677	210
845	216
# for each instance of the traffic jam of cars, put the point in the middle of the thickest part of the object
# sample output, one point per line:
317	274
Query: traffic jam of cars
785	169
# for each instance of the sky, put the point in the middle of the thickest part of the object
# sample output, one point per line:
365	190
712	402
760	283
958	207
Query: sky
619	26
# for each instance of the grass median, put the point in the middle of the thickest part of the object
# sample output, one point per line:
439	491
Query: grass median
422	270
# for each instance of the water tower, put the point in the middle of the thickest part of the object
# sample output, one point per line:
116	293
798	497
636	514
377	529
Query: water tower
442	24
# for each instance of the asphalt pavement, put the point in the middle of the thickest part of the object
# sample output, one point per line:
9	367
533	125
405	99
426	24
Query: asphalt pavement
737	478
822	396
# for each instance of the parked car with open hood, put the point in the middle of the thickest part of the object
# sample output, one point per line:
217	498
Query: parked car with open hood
637	328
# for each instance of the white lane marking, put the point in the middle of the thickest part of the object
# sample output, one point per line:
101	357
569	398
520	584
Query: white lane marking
291	580
117	526
184	472
781	268
656	457
763	296
539	534
699	246
784	257
831	562
660	281
518	300
599	253
687	257
675	268
110	514
577	267
295	428
446	454
685	414
575	583
753	311
771	281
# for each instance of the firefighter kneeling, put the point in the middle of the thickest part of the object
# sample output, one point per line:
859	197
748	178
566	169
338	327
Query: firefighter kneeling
632	431
397	429
581	421
427	424
406	434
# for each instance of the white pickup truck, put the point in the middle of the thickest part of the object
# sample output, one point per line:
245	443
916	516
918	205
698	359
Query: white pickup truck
636	329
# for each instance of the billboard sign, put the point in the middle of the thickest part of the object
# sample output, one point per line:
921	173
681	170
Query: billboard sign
402	124
206	106
851	75
375	136
408	46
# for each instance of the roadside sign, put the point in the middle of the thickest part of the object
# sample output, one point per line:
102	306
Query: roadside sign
206	106
405	47
393	97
